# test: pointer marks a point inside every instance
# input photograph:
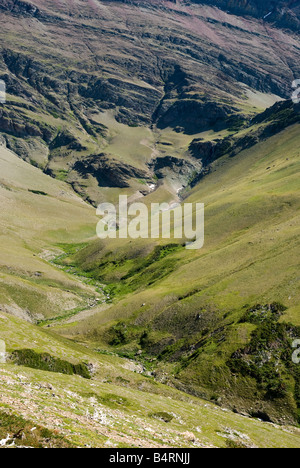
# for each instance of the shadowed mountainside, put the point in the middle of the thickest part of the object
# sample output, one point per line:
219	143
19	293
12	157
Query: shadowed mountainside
284	13
73	67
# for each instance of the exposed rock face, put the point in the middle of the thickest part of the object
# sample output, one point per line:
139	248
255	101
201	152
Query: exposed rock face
19	7
208	151
107	171
284	13
192	116
181	169
140	59
14	123
275	119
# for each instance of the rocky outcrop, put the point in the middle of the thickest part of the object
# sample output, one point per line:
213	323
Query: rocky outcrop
176	167
164	73
108	171
192	116
284	13
66	138
20	126
209	151
134	104
274	120
158	64
19	7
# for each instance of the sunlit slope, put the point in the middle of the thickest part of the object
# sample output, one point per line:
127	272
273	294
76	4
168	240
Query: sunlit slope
36	213
251	246
252	227
118	407
186	306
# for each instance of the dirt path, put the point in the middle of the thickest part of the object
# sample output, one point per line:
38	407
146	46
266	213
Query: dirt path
84	314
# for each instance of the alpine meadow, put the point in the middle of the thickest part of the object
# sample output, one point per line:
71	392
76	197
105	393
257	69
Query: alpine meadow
149	226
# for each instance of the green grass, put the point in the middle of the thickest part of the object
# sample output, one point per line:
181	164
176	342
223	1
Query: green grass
186	306
44	361
94	413
190	317
25	433
117	404
29	283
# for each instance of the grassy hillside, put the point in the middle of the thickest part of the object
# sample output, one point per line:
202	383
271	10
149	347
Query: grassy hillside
188	321
188	307
123	343
118	407
36	212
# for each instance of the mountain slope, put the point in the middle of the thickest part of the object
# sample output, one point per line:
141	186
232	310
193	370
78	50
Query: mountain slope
117	408
188	307
284	13
36	213
147	344
106	409
80	65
